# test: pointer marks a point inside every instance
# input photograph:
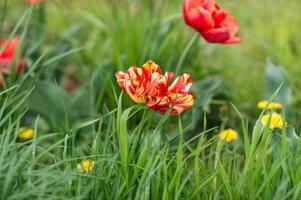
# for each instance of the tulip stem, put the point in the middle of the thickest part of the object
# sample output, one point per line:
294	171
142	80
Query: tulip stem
185	53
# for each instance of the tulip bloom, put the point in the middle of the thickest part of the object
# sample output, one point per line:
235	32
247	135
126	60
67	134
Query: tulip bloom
149	86
213	23
7	54
33	1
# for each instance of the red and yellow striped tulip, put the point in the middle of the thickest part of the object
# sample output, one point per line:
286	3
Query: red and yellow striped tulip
149	86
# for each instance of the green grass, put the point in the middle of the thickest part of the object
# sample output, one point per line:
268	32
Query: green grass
142	162
138	153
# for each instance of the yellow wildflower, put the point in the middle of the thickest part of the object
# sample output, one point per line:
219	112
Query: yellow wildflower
25	133
85	166
269	105
276	120
223	109
228	135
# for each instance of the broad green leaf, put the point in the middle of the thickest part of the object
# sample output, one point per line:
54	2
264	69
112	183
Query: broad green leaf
276	76
49	101
205	91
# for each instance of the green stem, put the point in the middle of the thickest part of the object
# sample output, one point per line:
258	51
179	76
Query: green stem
185	53
216	161
2	18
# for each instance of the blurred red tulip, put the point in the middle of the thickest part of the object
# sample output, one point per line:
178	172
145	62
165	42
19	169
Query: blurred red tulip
33	1
149	86
7	54
22	65
213	23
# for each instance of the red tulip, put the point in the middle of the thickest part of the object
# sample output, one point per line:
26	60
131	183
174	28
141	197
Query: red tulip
149	86
7	54
33	1
213	23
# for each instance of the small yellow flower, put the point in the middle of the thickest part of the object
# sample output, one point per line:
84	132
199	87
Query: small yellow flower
224	109
269	105
85	166
228	135
276	120
25	133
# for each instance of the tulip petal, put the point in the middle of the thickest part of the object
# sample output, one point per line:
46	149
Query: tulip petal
7	54
206	4
209	5
151	67
233	27
8	48
181	103
188	4
33	1
218	35
233	40
120	79
169	76
158	85
161	105
219	16
181	85
231	24
200	19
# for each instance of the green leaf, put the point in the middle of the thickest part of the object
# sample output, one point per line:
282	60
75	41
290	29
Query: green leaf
48	100
208	88
276	76
205	91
